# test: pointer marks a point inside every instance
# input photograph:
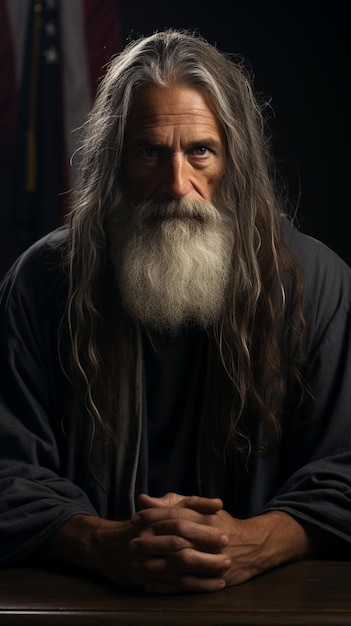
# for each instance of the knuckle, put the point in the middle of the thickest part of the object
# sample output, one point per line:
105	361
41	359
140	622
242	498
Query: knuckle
177	543
191	500
185	557
175	513
171	497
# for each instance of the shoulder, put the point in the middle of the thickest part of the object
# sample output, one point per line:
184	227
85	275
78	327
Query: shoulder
38	272
49	250
320	265
327	282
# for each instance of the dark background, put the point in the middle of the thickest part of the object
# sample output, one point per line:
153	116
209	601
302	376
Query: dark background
299	58
298	54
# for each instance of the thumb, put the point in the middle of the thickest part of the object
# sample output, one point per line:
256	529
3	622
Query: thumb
197	503
169	499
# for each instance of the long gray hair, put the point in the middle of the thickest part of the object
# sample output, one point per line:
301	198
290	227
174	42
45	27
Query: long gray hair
252	368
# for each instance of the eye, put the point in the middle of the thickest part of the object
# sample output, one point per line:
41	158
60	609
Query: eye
200	151
150	151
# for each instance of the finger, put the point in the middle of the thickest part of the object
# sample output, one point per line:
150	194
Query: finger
153	515
197	503
158	545
195	527
201	505
189	584
187	561
169	499
178	534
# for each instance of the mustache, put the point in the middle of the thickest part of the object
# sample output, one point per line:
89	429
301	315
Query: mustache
201	211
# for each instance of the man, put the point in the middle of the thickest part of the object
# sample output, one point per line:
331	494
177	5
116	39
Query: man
176	360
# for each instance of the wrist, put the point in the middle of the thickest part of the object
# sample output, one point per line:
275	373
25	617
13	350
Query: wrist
92	543
283	538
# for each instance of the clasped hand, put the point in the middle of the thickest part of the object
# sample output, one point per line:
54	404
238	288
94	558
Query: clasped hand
181	543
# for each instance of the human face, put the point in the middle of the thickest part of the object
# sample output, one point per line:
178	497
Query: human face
174	145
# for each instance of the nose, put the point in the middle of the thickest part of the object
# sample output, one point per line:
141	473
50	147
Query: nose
176	181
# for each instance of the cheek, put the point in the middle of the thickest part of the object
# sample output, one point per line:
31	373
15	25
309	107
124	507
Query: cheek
214	178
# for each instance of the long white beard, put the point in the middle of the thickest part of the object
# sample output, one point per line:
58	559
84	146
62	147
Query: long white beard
174	264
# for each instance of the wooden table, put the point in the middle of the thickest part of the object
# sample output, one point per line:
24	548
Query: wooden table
309	592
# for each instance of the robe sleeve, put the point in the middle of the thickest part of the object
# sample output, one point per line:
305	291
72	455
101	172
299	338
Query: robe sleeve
36	496
317	455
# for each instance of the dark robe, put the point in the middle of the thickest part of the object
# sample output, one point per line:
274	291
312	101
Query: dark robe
49	471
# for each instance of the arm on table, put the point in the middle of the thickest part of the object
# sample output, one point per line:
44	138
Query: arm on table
178	543
252	545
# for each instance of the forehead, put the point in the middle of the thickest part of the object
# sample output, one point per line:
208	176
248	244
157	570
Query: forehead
160	107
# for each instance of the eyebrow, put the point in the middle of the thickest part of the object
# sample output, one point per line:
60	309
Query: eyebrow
208	142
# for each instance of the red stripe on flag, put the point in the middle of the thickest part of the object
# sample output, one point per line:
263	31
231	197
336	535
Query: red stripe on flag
102	36
8	92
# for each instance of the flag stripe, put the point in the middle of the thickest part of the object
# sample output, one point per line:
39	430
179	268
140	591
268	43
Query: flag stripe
102	36
31	150
18	14
75	76
8	92
90	36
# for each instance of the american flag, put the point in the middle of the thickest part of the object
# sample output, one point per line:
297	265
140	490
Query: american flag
52	54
